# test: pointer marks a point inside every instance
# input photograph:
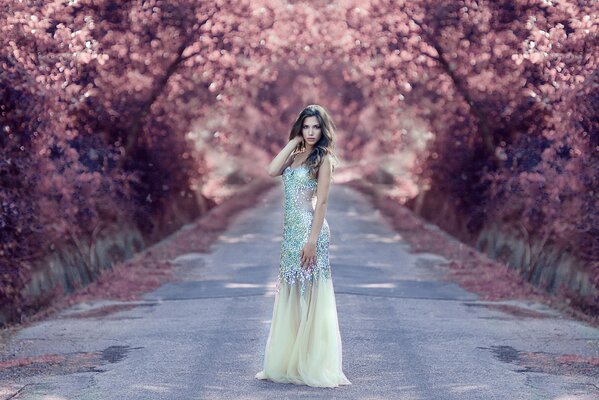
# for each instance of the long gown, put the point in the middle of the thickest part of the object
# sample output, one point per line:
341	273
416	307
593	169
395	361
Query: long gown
304	343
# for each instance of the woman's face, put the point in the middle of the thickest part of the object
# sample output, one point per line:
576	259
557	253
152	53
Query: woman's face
311	130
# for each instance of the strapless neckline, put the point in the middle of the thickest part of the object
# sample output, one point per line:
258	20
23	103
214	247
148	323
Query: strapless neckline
293	169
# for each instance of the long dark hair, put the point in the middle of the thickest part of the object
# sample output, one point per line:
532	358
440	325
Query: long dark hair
326	143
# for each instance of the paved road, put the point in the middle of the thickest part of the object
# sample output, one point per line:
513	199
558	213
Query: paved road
407	334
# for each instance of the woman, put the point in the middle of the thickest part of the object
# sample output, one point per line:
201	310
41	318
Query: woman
304	343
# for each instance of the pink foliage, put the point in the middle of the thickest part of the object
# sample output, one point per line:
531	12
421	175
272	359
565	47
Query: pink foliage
99	98
96	101
510	92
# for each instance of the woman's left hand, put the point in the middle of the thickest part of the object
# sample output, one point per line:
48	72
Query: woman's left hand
308	254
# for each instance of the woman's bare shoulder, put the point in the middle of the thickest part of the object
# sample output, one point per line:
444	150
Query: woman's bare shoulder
327	160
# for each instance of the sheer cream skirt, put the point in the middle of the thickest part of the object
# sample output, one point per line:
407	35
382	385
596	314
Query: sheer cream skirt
304	343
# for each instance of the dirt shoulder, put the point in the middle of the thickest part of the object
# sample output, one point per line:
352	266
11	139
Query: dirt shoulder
469	268
150	268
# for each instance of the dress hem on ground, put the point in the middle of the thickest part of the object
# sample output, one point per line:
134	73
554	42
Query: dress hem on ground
304	342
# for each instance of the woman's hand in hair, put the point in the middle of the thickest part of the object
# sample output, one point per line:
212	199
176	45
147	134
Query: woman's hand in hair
299	139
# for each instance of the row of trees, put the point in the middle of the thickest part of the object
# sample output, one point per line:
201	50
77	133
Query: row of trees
510	91
99	98
508	88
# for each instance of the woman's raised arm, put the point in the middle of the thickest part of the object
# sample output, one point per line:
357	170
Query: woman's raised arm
280	162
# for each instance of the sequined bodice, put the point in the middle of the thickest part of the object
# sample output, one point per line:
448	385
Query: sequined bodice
300	190
299	202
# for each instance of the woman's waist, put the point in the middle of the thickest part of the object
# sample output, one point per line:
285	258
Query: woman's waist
304	210
300	202
302	224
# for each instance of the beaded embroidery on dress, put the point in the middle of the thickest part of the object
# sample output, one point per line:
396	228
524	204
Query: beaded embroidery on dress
304	342
300	199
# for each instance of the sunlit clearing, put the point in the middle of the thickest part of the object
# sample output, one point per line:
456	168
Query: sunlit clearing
363	216
347	175
243	285
6	391
237	239
388	285
468	388
384	239
153	388
377	264
372	237
189	257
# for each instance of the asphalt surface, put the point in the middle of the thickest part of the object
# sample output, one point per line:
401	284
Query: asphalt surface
407	334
